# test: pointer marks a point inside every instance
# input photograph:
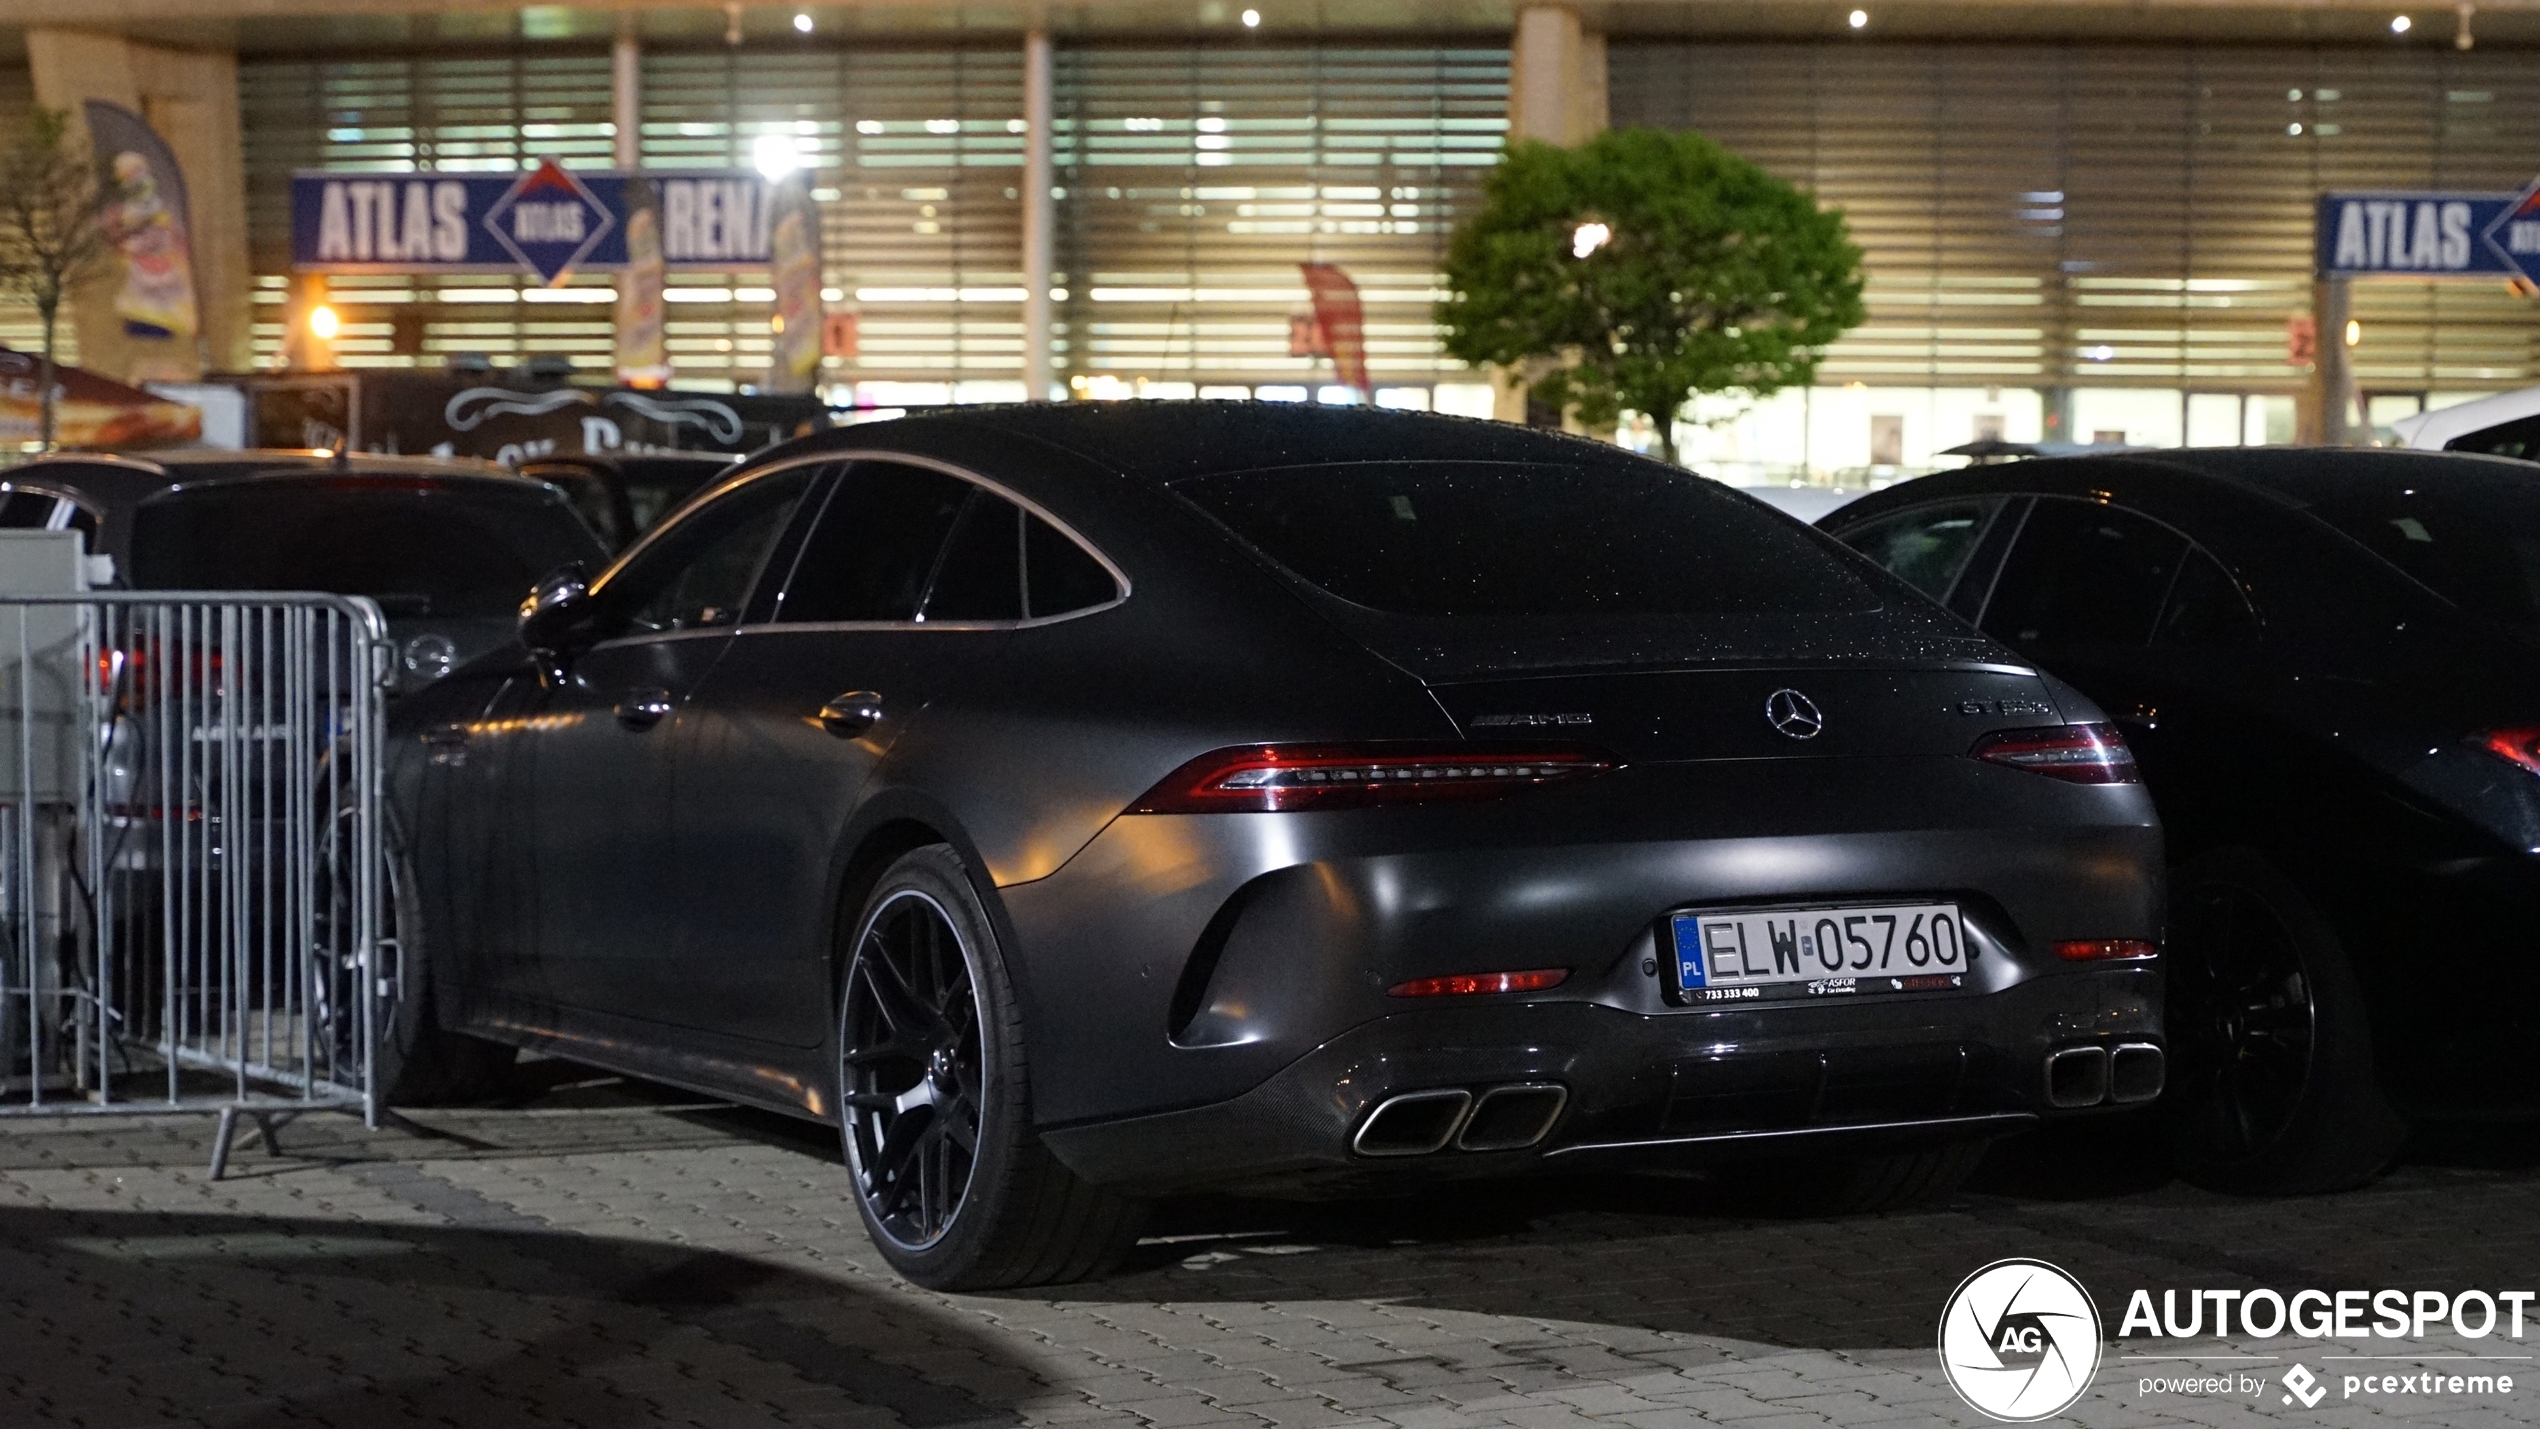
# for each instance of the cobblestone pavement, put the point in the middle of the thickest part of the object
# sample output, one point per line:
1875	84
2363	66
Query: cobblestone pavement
613	1255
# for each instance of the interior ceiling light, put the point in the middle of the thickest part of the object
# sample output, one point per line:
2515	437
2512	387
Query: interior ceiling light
1858	19
774	155
2399	24
802	23
1252	19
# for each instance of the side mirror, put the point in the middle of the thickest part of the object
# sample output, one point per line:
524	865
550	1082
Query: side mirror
558	615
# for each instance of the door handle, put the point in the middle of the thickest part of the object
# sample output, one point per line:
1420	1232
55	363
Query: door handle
642	709
852	713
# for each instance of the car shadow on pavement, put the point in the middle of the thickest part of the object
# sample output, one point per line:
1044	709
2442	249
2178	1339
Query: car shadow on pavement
242	1321
1683	1255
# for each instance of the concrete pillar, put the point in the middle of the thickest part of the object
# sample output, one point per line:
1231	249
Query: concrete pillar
190	97
2333	362
1556	77
1556	93
626	96
1040	217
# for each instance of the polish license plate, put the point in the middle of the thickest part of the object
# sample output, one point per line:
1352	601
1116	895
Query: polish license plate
1818	952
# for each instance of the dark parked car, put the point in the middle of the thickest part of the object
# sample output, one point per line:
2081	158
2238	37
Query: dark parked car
624	494
1086	803
446	547
2325	662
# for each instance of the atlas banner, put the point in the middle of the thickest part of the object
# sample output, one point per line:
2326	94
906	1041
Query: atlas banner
149	221
643	349
2430	235
1343	321
426	413
794	358
548	221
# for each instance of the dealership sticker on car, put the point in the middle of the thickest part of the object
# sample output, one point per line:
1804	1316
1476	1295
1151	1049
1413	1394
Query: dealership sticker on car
1818	952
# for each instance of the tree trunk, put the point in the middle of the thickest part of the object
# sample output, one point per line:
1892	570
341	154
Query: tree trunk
50	310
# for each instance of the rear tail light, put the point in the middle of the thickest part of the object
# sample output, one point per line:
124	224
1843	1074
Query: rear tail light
1468	984
1266	778
2100	950
2079	753
2520	744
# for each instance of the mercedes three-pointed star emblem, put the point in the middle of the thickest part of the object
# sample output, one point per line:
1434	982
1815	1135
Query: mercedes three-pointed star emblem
1794	714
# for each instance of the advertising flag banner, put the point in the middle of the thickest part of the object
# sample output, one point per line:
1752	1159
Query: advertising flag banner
153	238
1344	323
643	352
794	249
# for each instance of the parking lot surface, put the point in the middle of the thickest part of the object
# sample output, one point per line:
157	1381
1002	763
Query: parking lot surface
612	1254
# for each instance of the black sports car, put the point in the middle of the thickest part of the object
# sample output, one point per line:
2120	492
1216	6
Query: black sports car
1085	803
2325	661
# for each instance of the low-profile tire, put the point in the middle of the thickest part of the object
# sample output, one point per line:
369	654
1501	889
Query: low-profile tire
1854	1185
418	1062
2271	1082
954	1186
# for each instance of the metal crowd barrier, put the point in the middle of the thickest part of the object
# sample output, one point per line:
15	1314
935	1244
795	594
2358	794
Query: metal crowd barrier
191	880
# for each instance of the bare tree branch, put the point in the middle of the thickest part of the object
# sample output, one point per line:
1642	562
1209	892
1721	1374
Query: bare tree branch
57	227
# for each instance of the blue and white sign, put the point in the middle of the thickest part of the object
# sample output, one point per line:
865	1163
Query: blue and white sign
2430	235
547	221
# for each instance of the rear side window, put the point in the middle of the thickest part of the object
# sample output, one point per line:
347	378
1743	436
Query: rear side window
981	577
1494	539
871	556
1061	575
1928	547
2518	438
2206	609
2084	574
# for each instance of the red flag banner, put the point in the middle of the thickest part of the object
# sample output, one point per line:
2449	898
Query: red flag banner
1343	321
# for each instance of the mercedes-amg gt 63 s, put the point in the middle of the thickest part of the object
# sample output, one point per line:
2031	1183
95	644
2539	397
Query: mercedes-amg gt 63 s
1080	804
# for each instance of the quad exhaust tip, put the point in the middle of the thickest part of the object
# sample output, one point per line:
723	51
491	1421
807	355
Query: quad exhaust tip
2136	1072
1513	1118
1508	1118
2126	1075
1413	1124
2077	1077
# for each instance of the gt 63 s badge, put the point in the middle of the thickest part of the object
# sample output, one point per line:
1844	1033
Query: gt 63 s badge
2019	1340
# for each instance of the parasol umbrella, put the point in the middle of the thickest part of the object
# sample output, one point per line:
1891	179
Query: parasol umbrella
1990	449
88	410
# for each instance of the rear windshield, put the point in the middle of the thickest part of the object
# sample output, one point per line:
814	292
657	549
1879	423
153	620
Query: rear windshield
419	548
2475	540
1489	539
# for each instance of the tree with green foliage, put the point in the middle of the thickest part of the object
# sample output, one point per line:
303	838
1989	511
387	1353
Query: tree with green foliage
57	228
1710	276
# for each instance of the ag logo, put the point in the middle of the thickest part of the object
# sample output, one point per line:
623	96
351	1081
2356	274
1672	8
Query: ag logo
2019	1340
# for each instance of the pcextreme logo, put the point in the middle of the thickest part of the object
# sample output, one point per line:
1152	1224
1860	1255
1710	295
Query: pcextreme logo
2019	1340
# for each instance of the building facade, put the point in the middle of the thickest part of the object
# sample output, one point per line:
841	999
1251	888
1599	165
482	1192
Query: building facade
2084	223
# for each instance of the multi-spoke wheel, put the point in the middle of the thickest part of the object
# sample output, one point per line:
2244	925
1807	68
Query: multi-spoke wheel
2271	1084
913	1076
416	1061
954	1185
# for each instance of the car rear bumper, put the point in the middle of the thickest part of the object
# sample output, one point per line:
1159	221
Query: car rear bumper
1645	1090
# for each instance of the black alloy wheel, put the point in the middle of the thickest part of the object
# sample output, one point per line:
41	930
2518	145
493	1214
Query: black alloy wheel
2242	1024
913	1074
2272	1088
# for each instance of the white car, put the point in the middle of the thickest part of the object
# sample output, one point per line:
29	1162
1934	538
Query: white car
2507	424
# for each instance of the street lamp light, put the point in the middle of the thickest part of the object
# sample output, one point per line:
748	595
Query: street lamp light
323	323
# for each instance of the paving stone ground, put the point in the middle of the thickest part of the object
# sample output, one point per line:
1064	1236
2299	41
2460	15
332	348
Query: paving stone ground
613	1255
